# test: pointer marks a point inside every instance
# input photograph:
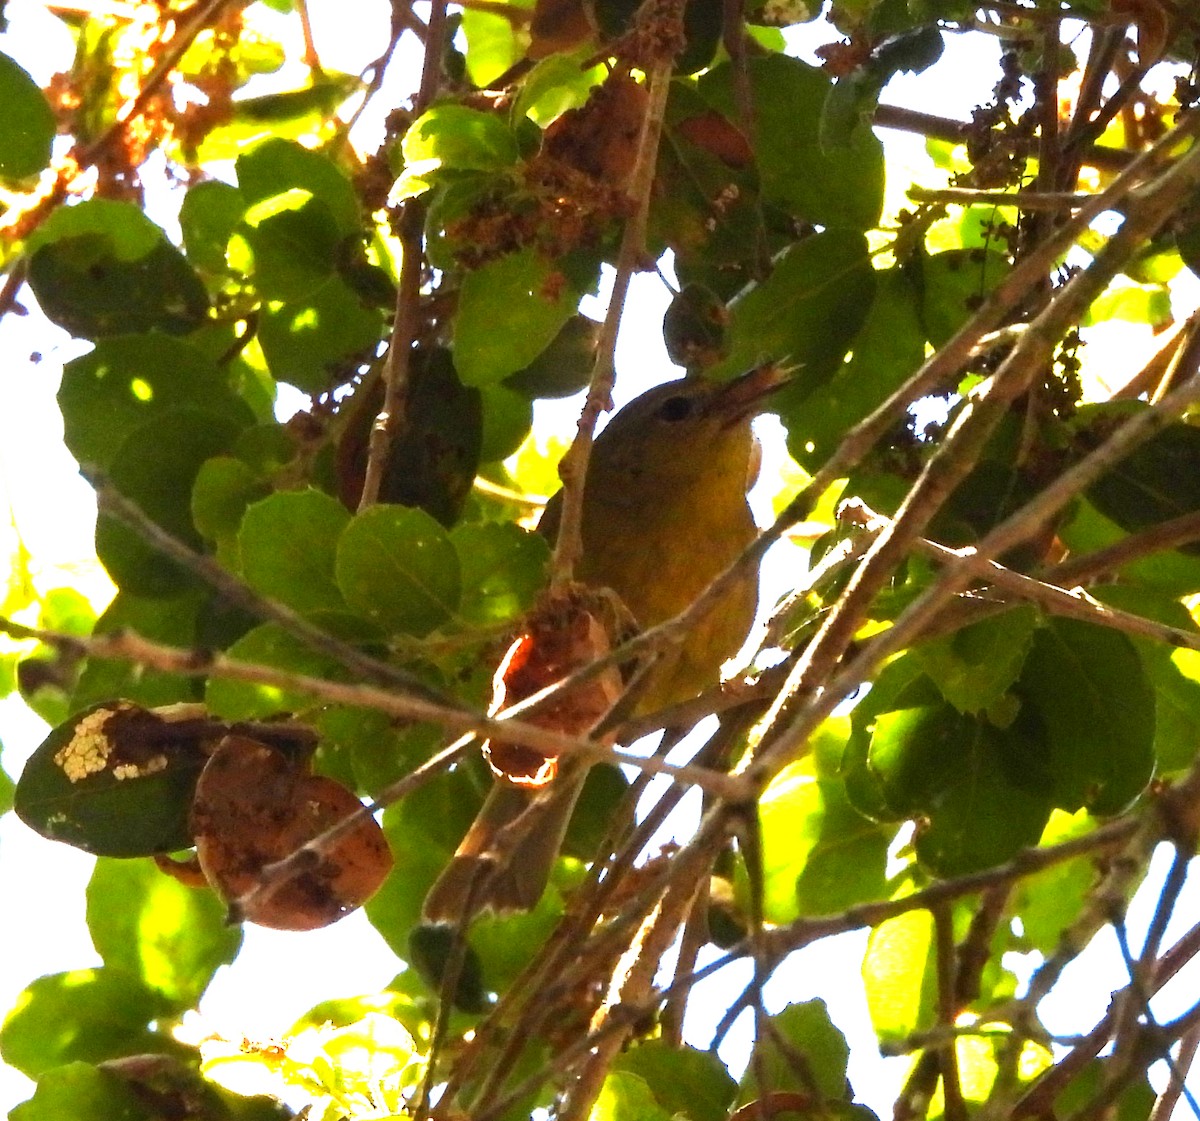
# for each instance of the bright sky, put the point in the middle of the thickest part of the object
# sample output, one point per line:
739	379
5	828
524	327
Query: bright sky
278	976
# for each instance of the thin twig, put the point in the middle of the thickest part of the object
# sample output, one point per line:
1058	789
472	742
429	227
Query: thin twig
405	328
239	594
126	646
573	467
1020	200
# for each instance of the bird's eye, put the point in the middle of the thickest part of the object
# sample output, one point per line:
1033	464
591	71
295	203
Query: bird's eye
675	408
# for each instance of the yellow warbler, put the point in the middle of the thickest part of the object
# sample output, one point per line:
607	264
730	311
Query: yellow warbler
664	513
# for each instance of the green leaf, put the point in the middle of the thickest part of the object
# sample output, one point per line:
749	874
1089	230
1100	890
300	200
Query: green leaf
277	166
819	854
1133	303
454	138
951	841
952	285
87	1015
1087	685
502	568
82	1092
150	926
509	311
103	268
1049	901
900	976
223	490
493	43
27	125
208	216
829	187
268	645
507	419
854	97
114	780
317	343
294	241
130	380
1158	481
806	313
7	786
804	1029
556	83
888	348
170	620
288	544
976	665
565	366
422	830
397	568
155	467
626	1097
684	1081
433	455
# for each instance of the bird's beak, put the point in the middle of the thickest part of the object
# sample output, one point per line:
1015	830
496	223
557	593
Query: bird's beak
745	395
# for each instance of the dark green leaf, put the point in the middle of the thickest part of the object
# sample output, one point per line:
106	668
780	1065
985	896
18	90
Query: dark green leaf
87	1015
268	645
434	454
294	240
806	1031
1088	687
565	366
976	665
129	380
223	490
806	313
103	268
431	948
318	343
114	780
27	125
952	285
507	419
171	937
155	467
454	138
277	166
1159	480
397	568
838	187
502	568
886	351
83	1093
210	213
684	1081
168	620
627	1097
953	839
288	543
509	311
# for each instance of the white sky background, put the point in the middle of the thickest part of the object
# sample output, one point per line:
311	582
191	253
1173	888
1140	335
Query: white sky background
278	976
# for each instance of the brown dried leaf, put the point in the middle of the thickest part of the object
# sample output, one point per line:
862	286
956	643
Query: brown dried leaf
566	631
254	807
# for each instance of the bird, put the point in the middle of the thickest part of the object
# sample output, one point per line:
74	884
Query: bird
664	513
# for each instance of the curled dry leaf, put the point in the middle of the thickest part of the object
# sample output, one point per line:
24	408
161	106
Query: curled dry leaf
568	629
254	807
600	138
